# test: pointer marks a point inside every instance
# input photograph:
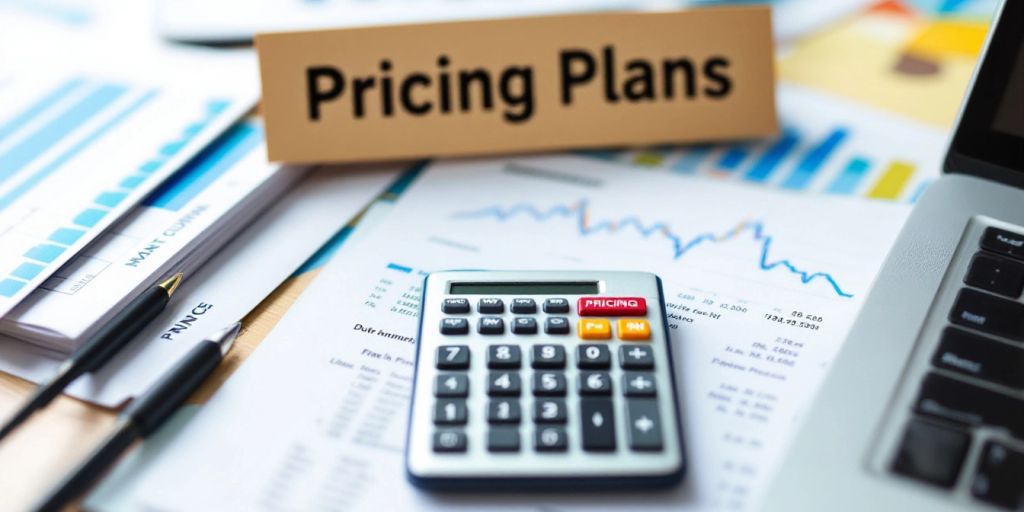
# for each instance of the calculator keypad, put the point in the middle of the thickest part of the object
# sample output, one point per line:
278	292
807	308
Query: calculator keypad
566	377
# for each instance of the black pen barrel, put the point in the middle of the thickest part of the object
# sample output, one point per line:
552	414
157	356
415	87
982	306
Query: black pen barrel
91	469
151	409
120	329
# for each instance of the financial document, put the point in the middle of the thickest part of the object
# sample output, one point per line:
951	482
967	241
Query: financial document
224	289
761	287
175	229
78	150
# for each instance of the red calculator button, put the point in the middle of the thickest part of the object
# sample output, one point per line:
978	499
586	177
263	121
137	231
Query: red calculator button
611	306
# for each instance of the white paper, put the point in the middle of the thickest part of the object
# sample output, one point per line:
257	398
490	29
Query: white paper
761	287
225	289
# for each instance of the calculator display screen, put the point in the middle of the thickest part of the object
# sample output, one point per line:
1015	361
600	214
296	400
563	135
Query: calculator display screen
534	288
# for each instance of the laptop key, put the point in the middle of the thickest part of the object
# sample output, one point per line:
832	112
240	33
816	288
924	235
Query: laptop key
1003	242
988	313
986	359
1000	476
931	453
956	401
997	275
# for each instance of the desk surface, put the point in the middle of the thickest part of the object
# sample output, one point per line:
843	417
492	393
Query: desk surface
37	455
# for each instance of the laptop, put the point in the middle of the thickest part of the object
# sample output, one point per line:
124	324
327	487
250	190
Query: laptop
924	407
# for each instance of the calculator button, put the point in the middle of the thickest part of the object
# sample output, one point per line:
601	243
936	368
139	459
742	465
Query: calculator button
556	325
455	306
634	329
1000	476
611	306
931	453
503	411
598	422
636	357
1003	242
548	356
550	410
594	357
524	306
450	412
452	357
451	386
524	325
594	329
556	306
595	383
490	325
490	306
454	326
549	384
550	439
503	384
644	424
449	441
503	439
503	356
639	384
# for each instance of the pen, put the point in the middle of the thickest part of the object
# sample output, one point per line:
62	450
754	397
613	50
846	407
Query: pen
146	414
99	348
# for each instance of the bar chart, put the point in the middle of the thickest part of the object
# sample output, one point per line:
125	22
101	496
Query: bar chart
826	145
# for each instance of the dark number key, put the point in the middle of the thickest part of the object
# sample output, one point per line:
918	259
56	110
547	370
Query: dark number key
931	453
548	356
598	424
594	357
450	412
595	383
504	356
524	325
973	355
556	325
1000	476
524	306
550	439
1003	242
956	401
989	314
997	275
452	357
455	306
503	439
556	306
636	357
449	441
454	326
504	384
644	424
503	411
549	384
550	410
451	386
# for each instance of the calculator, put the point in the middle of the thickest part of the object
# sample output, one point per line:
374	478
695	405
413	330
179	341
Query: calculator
556	380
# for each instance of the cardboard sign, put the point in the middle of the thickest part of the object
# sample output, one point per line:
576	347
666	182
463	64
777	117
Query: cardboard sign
518	85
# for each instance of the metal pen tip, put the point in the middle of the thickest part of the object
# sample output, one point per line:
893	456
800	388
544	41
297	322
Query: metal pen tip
225	338
172	283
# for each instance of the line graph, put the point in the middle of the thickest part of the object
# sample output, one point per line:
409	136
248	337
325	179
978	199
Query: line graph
586	225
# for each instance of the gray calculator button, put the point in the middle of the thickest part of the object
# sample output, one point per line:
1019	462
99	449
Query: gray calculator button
490	325
556	306
644	424
454	326
503	384
636	357
451	385
598	424
595	383
548	356
639	384
549	410
524	306
550	439
556	325
455	306
548	384
450	412
524	325
503	411
490	306
449	441
504	356
452	357
503	439
594	357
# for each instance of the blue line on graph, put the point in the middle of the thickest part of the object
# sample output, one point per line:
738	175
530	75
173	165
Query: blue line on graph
205	168
400	268
850	177
772	157
680	246
813	160
24	152
41	174
40	106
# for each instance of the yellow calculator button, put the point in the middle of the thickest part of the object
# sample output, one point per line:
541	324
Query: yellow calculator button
594	329
634	329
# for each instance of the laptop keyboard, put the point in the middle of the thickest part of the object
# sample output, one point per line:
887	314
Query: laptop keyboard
975	384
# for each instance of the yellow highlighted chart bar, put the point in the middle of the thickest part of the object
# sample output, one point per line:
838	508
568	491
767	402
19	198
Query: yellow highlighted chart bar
890	185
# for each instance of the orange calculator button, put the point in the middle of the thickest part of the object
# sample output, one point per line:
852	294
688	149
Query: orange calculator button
634	329
594	329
